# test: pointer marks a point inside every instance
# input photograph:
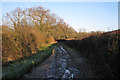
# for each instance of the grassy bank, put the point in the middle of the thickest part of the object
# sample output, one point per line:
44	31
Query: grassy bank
101	51
20	67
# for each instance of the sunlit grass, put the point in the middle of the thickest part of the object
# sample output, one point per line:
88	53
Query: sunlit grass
16	70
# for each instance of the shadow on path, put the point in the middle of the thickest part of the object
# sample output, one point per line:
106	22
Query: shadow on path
61	65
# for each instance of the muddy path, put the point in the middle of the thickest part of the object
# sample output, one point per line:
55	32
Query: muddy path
80	63
62	64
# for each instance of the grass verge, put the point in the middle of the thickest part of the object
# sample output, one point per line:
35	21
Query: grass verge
18	69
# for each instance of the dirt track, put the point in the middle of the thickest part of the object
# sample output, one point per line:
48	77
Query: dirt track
62	64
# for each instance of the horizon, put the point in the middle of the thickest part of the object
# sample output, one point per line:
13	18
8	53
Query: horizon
92	16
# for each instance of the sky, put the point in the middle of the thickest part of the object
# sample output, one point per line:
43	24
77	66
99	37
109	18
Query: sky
92	16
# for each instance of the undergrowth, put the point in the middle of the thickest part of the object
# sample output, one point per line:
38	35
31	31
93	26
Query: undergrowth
20	67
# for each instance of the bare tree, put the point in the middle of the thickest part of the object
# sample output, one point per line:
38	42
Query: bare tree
82	30
39	16
15	17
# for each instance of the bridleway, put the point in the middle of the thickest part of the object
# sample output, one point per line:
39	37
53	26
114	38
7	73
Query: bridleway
58	65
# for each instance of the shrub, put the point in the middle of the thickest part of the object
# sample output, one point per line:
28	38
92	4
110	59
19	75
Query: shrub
22	42
18	69
101	51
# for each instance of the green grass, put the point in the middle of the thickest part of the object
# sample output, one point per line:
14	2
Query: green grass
18	69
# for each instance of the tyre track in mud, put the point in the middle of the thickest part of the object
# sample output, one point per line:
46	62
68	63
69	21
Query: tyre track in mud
58	65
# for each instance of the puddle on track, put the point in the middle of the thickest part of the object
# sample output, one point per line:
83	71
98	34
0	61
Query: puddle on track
58	65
